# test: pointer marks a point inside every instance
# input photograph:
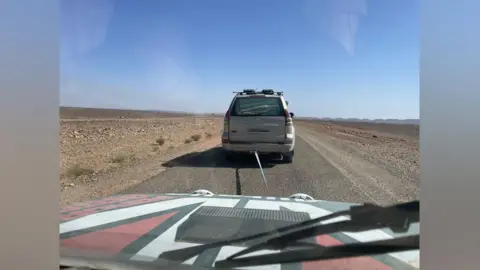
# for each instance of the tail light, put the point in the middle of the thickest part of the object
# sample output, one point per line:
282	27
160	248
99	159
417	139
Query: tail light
288	127
226	128
227	116
288	118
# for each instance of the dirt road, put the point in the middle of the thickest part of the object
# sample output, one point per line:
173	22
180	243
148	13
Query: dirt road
331	163
104	152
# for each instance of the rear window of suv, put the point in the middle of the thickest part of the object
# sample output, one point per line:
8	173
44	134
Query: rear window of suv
258	106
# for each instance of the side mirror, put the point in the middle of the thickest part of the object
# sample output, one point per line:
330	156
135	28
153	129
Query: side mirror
292	114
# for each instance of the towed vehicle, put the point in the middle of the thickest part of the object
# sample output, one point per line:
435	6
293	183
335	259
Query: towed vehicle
259	121
203	230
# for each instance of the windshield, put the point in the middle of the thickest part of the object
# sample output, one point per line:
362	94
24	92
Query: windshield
185	123
258	106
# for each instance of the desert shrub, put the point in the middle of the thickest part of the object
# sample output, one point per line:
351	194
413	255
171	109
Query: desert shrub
77	170
160	141
196	137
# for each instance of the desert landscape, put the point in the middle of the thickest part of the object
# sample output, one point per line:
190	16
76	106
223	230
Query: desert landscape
106	151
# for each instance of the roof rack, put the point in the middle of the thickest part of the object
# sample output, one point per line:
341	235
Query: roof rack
268	91
254	92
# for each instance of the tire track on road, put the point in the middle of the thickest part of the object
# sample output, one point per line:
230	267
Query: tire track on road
377	183
319	169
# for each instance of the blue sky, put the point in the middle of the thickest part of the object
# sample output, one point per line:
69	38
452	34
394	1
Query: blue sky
332	58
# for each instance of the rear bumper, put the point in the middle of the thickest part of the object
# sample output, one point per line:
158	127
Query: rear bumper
261	148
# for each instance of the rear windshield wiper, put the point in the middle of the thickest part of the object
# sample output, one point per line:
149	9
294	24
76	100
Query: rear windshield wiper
249	113
362	217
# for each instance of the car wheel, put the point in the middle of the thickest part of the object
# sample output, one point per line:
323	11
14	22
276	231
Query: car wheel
288	158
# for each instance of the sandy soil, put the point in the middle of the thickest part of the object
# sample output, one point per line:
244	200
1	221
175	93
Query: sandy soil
99	158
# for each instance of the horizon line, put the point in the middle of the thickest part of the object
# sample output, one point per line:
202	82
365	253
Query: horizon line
220	113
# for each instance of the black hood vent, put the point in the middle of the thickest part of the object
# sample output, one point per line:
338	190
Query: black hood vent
210	224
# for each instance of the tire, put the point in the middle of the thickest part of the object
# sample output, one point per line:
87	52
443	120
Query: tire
288	158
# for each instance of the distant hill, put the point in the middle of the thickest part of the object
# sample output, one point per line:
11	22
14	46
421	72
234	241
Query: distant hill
79	112
385	121
379	121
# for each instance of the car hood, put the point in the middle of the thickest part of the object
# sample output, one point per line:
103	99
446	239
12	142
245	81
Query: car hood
143	226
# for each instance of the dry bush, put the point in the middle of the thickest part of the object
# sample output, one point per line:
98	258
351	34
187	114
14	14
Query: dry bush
77	170
160	141
196	137
188	140
119	158
208	135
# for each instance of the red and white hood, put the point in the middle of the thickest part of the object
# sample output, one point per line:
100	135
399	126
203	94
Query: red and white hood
143	226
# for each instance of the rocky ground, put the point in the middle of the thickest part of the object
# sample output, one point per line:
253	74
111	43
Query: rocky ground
392	147
105	152
102	156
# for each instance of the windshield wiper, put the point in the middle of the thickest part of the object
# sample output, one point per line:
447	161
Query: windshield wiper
398	218
184	254
362	217
367	217
326	253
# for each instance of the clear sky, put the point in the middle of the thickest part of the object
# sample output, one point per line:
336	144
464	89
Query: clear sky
332	58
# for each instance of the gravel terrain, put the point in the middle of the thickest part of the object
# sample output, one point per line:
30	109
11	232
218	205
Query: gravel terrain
107	153
102	157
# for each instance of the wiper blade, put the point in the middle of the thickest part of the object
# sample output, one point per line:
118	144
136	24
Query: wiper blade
184	254
362	218
326	253
362	212
249	113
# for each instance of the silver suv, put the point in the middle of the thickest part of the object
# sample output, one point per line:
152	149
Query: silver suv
259	121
